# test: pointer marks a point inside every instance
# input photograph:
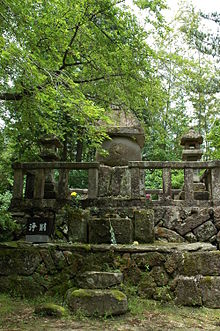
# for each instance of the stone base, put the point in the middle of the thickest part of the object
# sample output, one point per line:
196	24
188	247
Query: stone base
38	238
97	302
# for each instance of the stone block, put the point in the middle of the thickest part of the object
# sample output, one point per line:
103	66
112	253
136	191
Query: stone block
167	234
116	180
19	262
98	279
160	276
144	226
200	263
205	231
77	229
171	217
99	230
190	237
210	289
97	302
187	292
172	263
192	222
104	180
150	259
217	214
147	286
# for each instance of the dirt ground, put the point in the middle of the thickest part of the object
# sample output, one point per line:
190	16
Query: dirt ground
18	315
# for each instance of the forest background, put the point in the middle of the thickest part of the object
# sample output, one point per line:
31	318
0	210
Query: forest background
65	65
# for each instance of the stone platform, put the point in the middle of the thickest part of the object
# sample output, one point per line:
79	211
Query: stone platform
188	274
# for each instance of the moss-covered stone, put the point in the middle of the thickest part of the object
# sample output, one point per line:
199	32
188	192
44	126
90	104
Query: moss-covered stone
97	302
144	226
50	309
19	261
118	295
97	279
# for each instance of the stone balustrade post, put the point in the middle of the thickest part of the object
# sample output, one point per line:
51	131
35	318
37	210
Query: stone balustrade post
188	185
166	183
93	174
215	186
135	183
18	184
63	191
39	184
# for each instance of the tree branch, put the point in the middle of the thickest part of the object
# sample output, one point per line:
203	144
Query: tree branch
67	50
11	96
96	79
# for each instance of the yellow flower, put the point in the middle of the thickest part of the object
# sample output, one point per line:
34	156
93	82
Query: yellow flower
73	194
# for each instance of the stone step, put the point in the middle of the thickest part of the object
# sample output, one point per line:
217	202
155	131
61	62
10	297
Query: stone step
97	302
99	280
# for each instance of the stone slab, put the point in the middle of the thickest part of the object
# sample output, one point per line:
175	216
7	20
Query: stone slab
97	302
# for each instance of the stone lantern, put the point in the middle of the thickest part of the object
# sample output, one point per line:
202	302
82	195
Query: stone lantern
49	153
49	148
191	143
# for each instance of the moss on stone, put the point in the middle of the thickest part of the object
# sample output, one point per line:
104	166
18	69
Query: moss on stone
118	295
50	309
82	293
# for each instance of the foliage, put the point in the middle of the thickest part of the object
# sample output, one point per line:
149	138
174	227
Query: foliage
7	225
65	63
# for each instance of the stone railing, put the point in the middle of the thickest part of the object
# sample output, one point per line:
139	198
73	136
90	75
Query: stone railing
189	195
192	193
40	171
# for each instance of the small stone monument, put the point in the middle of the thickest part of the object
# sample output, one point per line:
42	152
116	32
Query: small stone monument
191	142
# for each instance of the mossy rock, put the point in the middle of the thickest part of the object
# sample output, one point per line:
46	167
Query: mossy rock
97	302
50	309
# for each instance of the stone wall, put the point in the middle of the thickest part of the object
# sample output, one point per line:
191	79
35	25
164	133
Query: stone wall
190	224
187	274
163	223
